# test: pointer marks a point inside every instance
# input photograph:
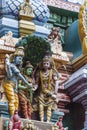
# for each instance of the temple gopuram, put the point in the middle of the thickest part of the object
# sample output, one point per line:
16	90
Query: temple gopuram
43	64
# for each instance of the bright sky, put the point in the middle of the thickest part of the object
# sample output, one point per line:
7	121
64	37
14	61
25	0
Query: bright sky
76	1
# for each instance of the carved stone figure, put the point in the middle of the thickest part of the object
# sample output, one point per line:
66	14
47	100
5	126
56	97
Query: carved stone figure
59	123
25	94
8	39
55	39
26	9
54	34
14	123
10	83
47	82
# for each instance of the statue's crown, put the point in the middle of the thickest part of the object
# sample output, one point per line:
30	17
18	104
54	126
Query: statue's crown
19	51
46	58
28	65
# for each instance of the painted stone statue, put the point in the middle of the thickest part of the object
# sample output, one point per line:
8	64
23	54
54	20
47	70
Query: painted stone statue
13	66
47	82
26	9
59	124
14	123
8	39
24	93
56	46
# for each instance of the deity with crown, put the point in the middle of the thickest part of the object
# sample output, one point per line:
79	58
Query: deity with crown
47	82
13	65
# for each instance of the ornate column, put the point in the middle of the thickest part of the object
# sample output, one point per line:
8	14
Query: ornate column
26	26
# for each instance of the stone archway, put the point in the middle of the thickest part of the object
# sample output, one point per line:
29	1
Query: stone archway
75	119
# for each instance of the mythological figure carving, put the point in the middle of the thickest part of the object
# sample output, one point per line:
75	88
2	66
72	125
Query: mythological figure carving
8	39
47	82
13	74
14	122
55	39
59	123
25	94
26	9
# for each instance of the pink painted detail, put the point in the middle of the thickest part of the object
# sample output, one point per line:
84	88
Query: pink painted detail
64	5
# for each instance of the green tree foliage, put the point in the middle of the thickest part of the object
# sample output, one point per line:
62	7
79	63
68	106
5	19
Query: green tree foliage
35	48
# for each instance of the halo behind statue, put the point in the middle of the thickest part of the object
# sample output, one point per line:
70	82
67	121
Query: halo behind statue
35	48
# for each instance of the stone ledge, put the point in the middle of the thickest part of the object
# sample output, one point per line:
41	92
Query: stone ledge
40	125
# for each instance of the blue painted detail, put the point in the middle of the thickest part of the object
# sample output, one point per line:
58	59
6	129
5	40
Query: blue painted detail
72	41
43	35
55	115
4	109
41	11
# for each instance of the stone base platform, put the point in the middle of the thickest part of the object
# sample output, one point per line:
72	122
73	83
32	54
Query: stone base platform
37	124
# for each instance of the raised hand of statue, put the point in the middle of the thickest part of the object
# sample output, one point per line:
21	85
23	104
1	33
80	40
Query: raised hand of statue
7	60
35	86
29	85
7	66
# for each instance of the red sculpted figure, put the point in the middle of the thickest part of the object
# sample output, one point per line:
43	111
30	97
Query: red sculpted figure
14	123
60	124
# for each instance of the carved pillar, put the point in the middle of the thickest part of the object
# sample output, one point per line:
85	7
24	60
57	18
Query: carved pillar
84	103
85	123
26	26
77	89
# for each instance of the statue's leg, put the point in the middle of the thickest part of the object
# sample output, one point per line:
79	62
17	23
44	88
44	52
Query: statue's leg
16	103
41	111
49	113
8	88
29	110
23	105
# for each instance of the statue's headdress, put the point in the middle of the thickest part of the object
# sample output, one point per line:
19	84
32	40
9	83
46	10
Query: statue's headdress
19	51
46	58
28	65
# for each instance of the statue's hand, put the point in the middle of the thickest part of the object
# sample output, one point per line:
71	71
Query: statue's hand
30	85
7	61
49	94
54	96
35	87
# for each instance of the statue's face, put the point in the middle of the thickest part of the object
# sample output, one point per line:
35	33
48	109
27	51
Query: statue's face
18	60
46	64
29	71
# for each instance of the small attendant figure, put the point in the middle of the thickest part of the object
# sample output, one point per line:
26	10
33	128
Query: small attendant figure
14	123
60	124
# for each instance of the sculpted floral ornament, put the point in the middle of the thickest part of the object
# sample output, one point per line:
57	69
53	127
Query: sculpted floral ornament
28	125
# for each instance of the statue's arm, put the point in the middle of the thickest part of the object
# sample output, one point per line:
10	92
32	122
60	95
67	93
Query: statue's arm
56	81
56	86
22	87
23	79
8	67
